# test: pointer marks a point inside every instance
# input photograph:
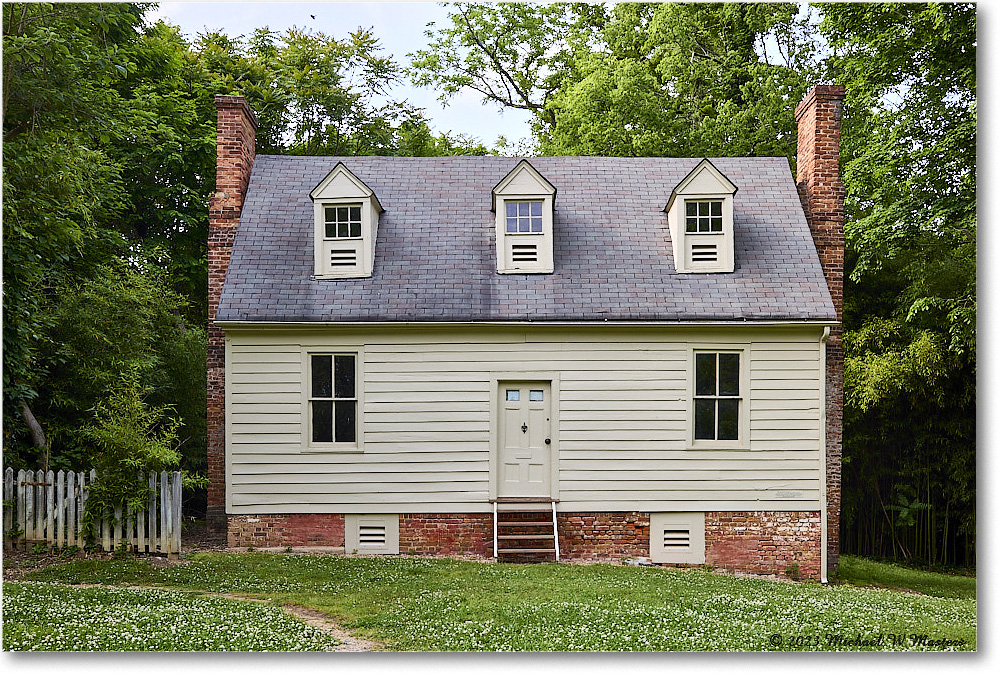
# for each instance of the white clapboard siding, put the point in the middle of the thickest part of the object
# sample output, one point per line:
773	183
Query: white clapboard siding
621	416
48	509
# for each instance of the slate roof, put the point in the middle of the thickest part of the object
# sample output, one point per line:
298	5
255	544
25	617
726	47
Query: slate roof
435	254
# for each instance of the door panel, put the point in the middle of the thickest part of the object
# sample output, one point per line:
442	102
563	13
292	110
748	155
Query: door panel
525	426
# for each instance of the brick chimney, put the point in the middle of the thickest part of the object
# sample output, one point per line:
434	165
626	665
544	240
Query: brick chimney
236	135
822	195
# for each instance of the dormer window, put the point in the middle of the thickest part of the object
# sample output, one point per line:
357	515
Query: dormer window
524	217
346	224
703	216
524	202
343	222
700	215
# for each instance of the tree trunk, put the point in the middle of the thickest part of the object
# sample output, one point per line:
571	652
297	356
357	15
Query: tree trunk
37	435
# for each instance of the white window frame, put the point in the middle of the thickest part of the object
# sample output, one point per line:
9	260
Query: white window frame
742	442
308	445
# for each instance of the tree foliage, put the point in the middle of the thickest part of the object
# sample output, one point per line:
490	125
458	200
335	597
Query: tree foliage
909	158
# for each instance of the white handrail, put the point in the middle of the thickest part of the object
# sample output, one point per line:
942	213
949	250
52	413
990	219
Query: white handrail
555	529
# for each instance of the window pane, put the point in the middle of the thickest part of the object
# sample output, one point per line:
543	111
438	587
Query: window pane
355	229
322	421
729	419
343	369
691	208
716	208
522	208
523	225
331	230
536	224
535	395
345	418
355	213
704	384
322	371
703	208
512	224
341	213
331	214
704	419
729	374
513	394
511	209
343	229
703	226
716	224
536	208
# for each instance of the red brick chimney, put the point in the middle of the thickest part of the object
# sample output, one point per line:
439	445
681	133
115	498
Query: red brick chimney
822	195
236	135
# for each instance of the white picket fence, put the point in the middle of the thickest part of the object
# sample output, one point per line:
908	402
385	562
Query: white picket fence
48	507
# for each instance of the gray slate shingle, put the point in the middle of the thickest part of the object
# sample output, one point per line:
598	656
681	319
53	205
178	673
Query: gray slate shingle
435	257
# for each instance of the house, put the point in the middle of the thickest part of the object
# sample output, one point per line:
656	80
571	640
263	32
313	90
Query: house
571	357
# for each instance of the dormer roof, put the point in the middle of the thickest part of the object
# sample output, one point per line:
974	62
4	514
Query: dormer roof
341	183
704	179
436	254
523	179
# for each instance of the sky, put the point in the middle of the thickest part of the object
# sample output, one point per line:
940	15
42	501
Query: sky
400	28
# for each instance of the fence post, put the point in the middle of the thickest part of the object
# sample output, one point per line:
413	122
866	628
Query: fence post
29	506
152	512
10	507
71	509
176	516
164	514
140	528
22	507
60	507
50	503
40	505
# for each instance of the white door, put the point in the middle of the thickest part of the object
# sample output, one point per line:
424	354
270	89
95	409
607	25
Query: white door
525	440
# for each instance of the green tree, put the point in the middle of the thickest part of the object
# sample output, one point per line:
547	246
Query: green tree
909	158
638	80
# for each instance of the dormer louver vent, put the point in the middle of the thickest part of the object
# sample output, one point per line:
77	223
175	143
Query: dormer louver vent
674	540
524	253
343	257
704	253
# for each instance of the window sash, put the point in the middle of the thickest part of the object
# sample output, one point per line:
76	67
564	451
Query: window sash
523	216
342	221
718	403
703	216
333	399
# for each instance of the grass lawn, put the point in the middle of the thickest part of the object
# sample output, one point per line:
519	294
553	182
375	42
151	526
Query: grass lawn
54	617
443	604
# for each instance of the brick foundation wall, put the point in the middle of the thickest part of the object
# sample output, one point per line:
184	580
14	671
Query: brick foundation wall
603	536
235	151
296	529
764	542
446	534
822	194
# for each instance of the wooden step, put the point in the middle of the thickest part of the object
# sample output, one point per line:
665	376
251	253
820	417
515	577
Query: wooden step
524	500
503	551
526	536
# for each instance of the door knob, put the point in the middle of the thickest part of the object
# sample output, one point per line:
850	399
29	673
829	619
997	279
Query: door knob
524	428
548	441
